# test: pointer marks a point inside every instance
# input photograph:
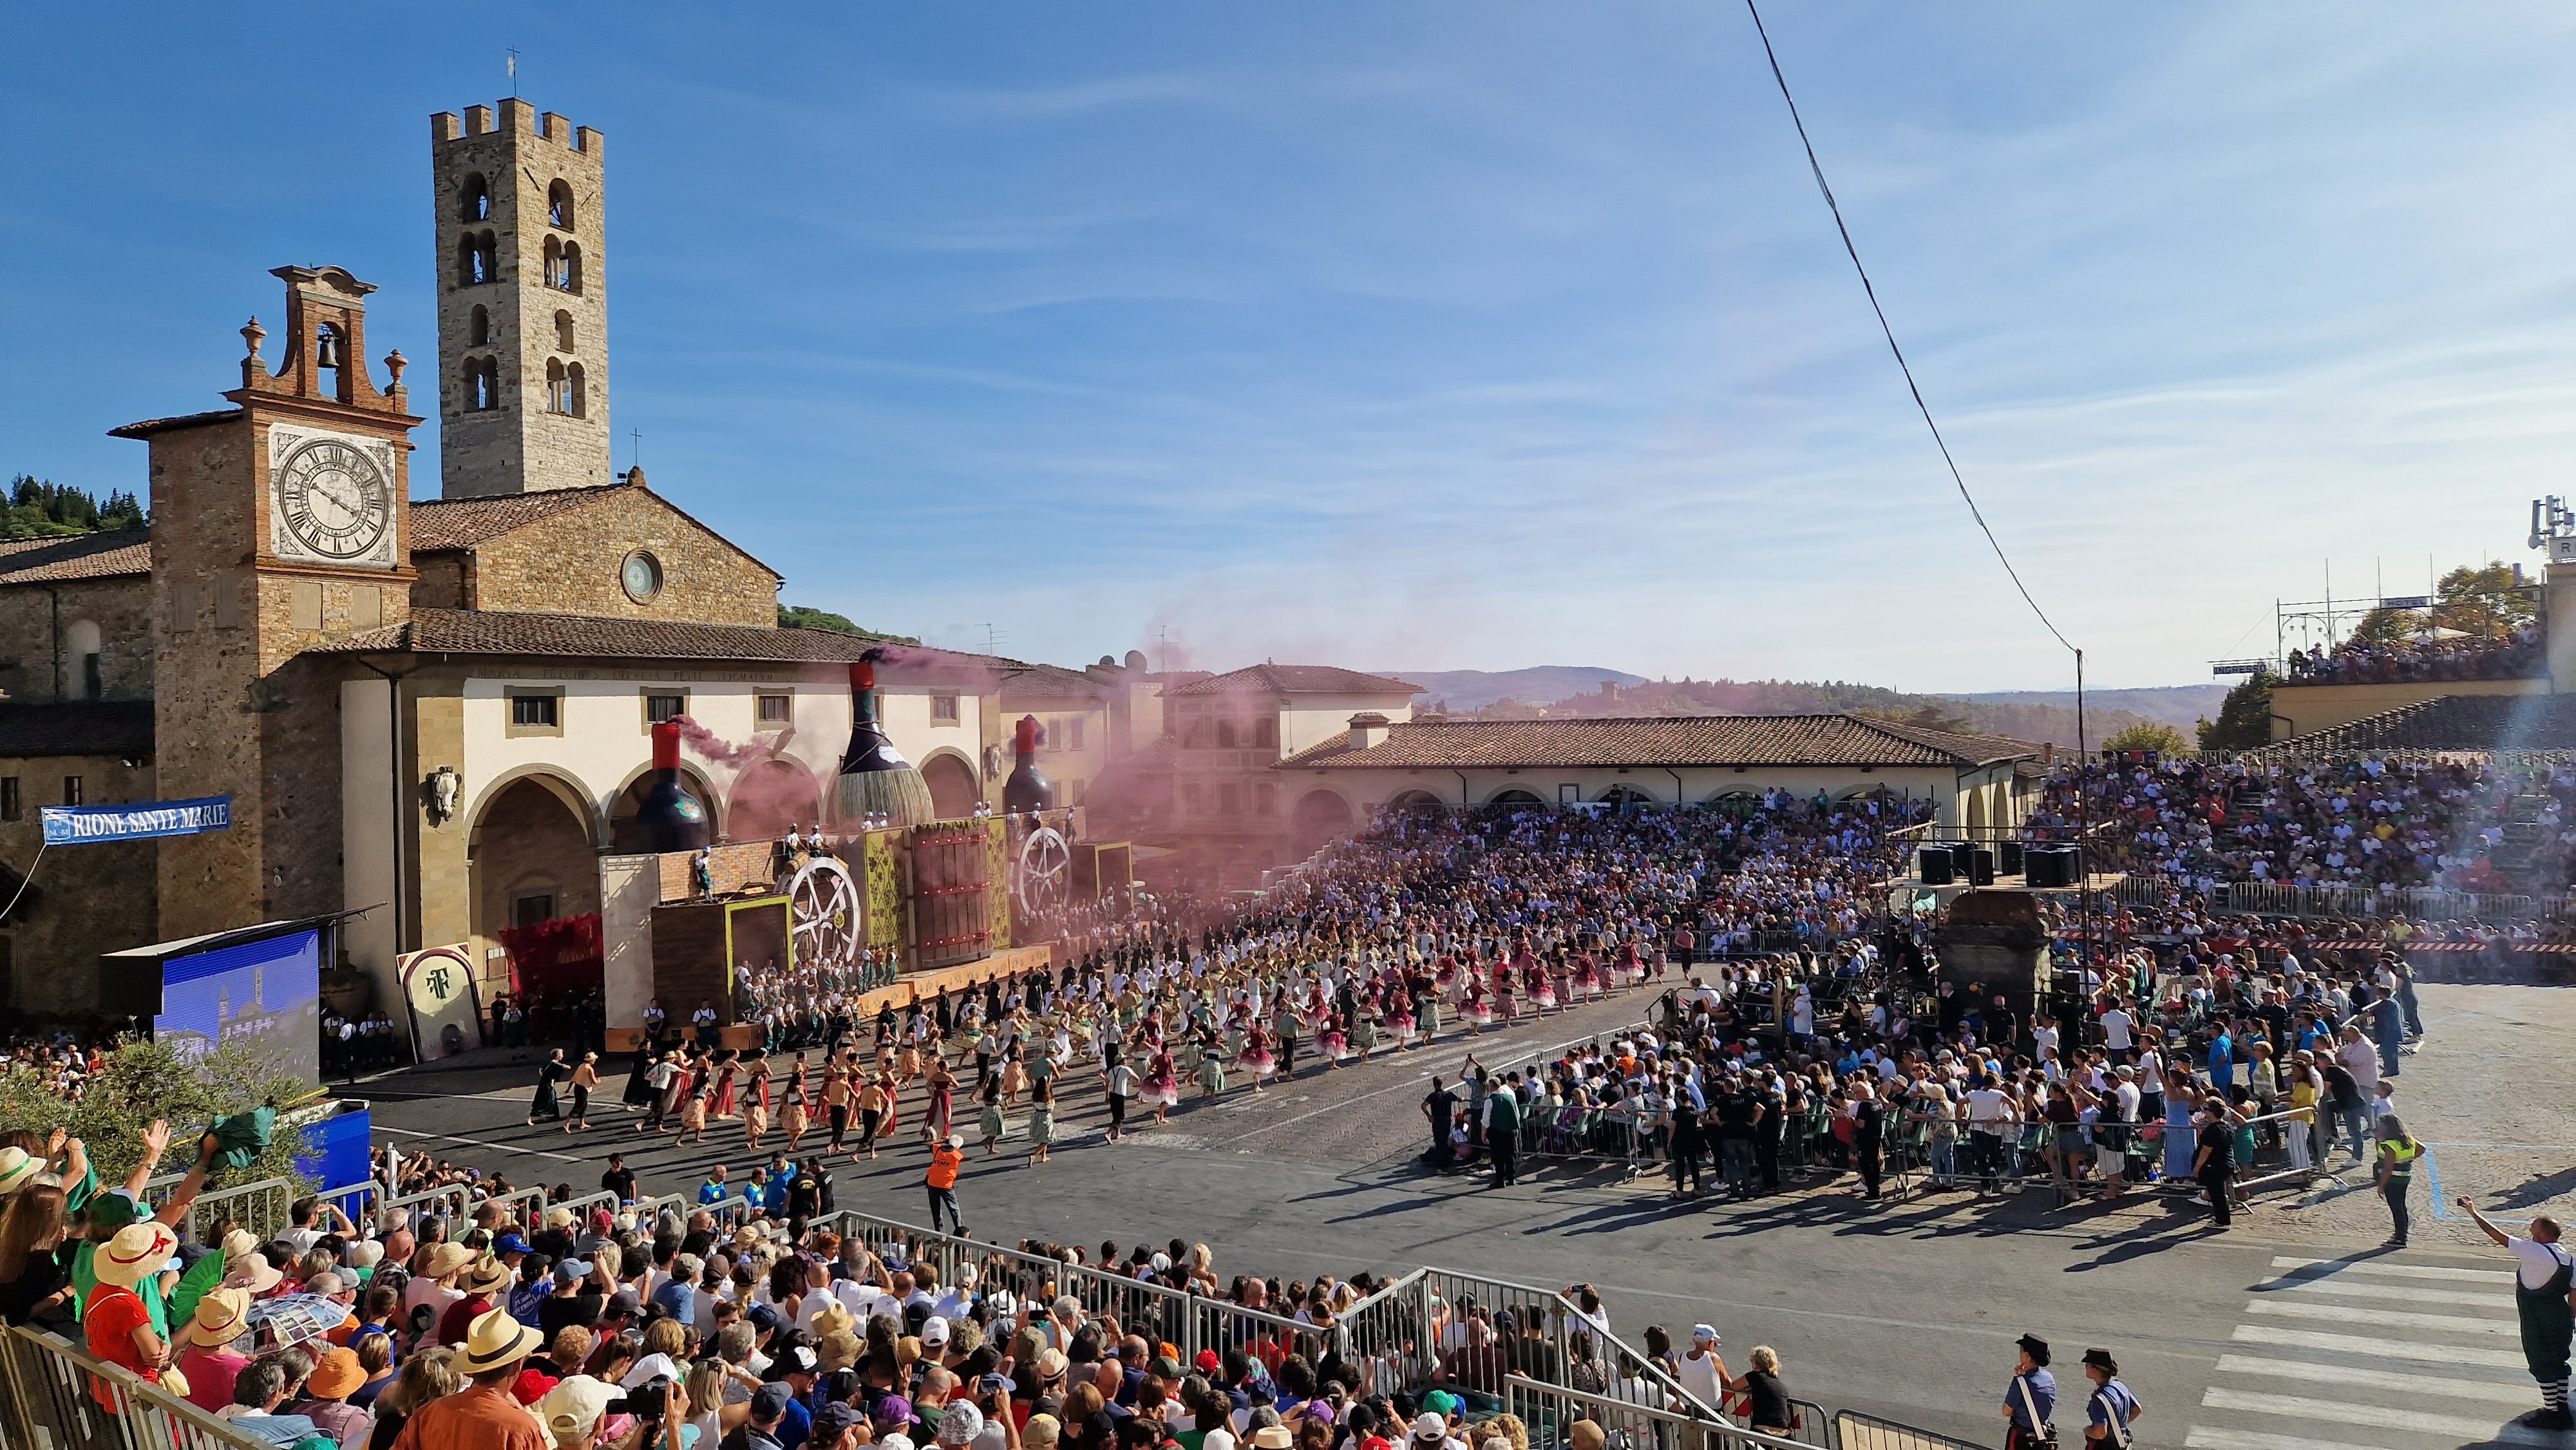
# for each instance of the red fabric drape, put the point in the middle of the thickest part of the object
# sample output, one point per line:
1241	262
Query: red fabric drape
554	959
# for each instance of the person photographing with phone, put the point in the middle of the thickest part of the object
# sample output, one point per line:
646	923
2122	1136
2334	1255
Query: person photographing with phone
2544	1299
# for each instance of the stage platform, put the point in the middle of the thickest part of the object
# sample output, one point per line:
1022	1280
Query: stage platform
911	987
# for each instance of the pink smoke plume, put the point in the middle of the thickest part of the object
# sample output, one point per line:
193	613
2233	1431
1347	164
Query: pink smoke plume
716	748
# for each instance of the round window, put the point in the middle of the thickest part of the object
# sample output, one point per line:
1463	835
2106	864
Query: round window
642	576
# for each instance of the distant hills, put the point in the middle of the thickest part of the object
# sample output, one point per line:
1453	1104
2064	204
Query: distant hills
1576	691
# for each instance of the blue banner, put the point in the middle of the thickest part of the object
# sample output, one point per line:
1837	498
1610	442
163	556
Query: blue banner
140	821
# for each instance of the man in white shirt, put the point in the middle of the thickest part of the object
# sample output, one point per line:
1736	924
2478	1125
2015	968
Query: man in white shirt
1990	1120
2116	1026
2544	1298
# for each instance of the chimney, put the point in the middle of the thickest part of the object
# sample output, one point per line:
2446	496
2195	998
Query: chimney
1368	730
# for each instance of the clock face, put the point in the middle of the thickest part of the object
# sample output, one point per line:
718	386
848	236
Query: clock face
334	499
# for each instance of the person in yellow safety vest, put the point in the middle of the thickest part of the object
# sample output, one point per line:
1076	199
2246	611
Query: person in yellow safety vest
2396	1173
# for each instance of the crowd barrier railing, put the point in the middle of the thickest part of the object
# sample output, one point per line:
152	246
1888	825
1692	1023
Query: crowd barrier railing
357	1200
261	1207
2274	898
1551	1411
61	1398
1856	1431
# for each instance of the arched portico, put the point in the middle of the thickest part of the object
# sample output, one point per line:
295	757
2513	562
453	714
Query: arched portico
951	778
1321	816
625	838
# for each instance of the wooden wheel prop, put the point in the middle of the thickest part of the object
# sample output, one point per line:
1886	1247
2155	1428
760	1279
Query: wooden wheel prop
824	900
1043	877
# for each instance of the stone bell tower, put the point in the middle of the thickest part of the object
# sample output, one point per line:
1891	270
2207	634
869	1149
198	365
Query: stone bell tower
522	302
279	525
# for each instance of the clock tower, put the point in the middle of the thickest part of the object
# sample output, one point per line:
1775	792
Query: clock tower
279	525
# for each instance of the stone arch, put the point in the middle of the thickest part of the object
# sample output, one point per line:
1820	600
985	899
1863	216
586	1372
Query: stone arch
1516	796
952	781
84	661
530	859
571	268
1321	816
558	387
619	829
577	391
1975	804
1624	796
559	205
478	327
1415	800
474	199
564	332
562	786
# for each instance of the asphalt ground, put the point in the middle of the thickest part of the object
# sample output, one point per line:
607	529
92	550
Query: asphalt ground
2292	1331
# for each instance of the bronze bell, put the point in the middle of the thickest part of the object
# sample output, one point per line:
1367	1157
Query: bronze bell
327	350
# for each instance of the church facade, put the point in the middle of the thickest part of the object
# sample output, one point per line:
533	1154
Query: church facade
434	714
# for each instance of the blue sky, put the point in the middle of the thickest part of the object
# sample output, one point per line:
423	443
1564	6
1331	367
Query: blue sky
1421	335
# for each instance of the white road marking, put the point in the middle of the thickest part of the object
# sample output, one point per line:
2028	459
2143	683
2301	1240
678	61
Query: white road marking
2402	1271
2421	1352
2337	1412
2494	1391
2394	1319
2402	1293
2202	1437
479	1143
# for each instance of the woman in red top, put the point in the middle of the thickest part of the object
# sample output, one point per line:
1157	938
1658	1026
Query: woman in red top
118	1327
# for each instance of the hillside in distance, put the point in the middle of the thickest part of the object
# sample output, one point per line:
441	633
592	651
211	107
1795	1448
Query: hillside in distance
2025	715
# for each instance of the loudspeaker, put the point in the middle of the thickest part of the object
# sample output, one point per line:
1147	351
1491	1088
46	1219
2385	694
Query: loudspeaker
2008	858
2042	868
1932	864
1981	866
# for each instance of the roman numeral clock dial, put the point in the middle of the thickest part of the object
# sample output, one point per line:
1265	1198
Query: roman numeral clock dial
333	499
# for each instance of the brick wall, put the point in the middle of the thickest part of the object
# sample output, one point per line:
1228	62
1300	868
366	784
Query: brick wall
85	899
570	563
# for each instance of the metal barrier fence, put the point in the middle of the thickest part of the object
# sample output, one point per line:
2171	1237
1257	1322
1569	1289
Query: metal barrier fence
61	1398
1856	1431
1551	1411
261	1207
358	1200
1549	1341
2272	898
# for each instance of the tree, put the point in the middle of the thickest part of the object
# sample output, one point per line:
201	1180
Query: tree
2244	717
2153	735
2383	628
39	508
145	1080
1925	717
2488	602
806	616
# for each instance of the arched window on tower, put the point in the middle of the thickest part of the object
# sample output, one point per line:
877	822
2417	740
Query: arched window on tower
474	199
477	257
553	253
572	267
329	357
482	384
478	327
559	205
577	389
563	333
558	387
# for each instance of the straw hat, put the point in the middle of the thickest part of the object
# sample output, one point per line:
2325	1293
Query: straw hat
138	1251
446	1259
494	1340
220	1319
834	1318
487	1277
240	1242
17	1169
252	1271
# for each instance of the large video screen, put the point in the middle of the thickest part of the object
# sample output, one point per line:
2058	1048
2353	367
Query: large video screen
266	993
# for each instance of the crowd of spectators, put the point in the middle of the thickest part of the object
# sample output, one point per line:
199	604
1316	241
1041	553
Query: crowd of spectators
2432	655
2337	820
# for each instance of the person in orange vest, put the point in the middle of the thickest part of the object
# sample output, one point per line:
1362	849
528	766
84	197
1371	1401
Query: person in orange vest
946	1156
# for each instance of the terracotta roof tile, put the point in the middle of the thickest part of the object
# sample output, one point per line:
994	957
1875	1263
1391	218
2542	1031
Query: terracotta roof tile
581	636
1674	741
81	556
1295	680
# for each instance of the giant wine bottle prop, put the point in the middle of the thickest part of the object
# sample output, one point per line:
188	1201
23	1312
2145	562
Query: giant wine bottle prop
1026	790
670	817
875	778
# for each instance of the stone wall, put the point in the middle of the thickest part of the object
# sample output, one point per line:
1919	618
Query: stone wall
36	662
84	900
571	563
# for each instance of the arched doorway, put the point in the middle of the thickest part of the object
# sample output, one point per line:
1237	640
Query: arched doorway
1321	816
532	866
1416	801
1516	799
1976	812
770	797
625	838
1626	798
952	787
